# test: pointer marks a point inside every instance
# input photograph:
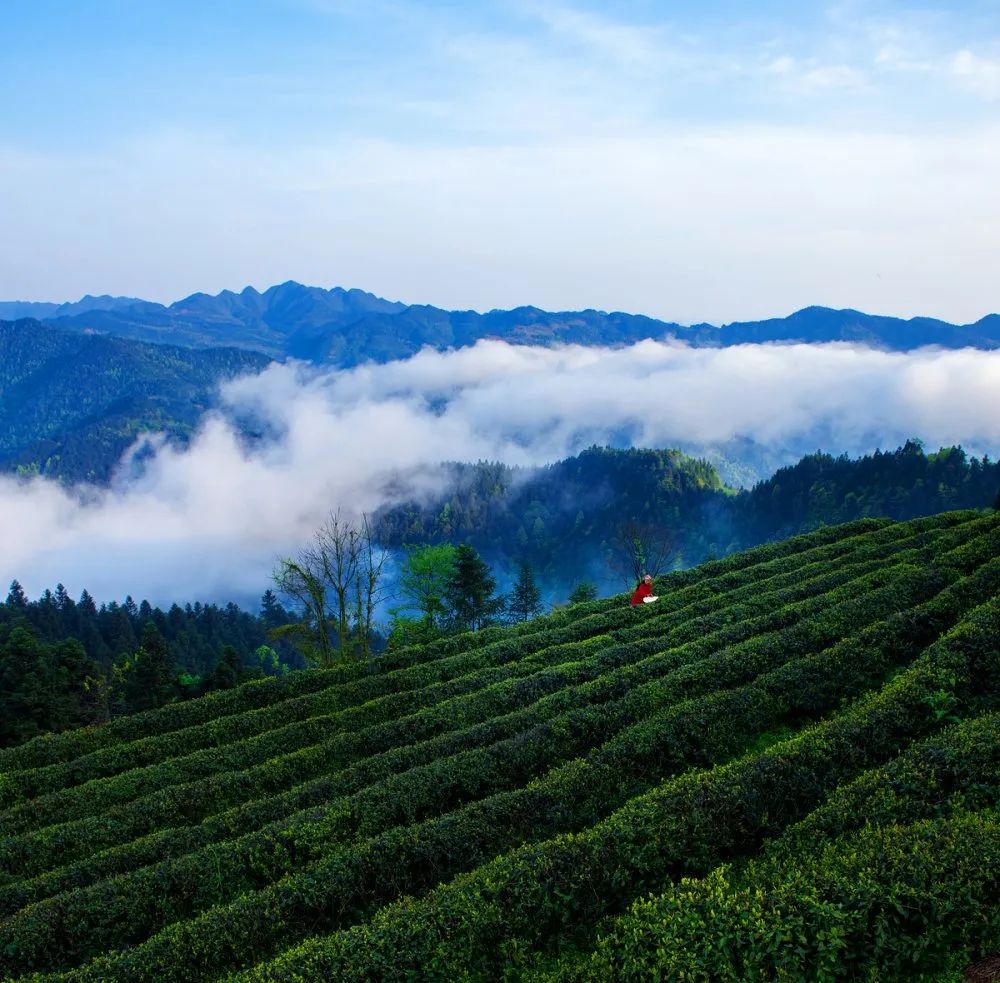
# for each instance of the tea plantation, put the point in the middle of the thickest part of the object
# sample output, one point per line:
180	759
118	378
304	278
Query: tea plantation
786	769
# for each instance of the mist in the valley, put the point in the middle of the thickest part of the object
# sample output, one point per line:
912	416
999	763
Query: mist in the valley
207	521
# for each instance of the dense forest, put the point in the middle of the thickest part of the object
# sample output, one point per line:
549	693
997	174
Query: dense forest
565	518
196	633
900	484
64	663
561	517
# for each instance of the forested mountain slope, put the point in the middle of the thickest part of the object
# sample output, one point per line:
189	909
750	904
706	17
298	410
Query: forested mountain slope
565	518
495	805
71	403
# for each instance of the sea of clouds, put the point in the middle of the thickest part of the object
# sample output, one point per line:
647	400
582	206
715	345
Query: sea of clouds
206	521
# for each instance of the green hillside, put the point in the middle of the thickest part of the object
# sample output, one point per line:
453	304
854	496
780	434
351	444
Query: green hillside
70	403
787	768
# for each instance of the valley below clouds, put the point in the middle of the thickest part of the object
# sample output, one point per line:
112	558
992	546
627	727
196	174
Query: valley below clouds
208	519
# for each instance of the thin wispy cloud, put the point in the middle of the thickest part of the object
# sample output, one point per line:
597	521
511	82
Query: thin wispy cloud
637	49
810	75
978	74
927	45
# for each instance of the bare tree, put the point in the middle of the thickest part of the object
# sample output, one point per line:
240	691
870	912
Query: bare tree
303	580
336	581
637	548
369	592
338	543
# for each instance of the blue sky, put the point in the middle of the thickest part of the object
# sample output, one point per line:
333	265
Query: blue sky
711	161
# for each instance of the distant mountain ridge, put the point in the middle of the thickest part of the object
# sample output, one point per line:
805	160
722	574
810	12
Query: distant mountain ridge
346	327
15	310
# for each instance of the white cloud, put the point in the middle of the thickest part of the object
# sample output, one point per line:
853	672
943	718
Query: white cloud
209	520
632	47
979	75
915	50
810	75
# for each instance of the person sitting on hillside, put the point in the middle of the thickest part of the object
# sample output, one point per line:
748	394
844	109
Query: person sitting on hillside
644	592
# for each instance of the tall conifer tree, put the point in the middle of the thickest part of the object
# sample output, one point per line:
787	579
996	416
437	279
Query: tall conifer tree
151	674
471	591
526	598
228	670
16	598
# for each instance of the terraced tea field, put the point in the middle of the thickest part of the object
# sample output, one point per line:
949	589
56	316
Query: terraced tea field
788	768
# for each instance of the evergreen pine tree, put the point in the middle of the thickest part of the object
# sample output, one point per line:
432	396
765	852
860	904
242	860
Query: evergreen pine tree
88	630
471	592
149	676
16	598
86	605
272	613
22	714
77	690
122	633
46	617
228	670
525	599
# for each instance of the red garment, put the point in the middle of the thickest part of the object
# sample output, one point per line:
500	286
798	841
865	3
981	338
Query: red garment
643	590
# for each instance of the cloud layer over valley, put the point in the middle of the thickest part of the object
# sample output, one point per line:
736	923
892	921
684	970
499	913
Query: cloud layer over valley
207	521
